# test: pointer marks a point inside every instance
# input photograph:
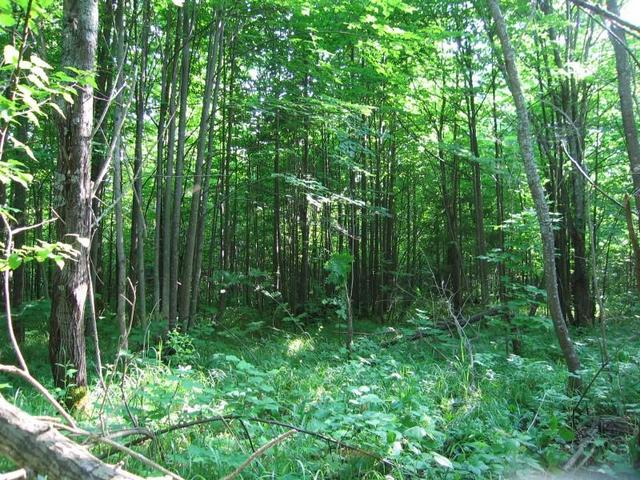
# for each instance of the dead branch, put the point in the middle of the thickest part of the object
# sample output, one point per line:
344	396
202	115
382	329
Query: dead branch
258	453
38	446
38	386
448	325
227	418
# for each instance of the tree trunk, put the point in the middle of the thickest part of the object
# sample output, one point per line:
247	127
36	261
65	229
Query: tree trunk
185	68
104	81
625	92
277	234
19	203
73	199
167	243
191	237
537	192
204	202
138	210
118	157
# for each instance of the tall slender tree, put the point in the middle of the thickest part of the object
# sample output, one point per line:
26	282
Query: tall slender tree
537	192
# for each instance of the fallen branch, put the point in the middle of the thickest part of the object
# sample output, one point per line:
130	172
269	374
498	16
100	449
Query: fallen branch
21	474
227	418
258	453
32	443
448	325
478	317
38	386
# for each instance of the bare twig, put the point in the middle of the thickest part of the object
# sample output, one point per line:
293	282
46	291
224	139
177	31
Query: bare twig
226	418
630	27
584	393
258	453
38	386
21	474
7	299
126	450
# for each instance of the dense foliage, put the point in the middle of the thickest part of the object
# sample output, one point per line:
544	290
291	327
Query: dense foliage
382	224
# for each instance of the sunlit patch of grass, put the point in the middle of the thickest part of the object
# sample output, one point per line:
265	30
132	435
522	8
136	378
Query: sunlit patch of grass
298	345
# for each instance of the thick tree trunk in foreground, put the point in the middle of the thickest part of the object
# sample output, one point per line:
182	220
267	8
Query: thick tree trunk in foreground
73	198
33	444
537	192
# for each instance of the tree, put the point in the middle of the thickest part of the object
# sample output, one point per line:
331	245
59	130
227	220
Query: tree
626	96
73	198
537	192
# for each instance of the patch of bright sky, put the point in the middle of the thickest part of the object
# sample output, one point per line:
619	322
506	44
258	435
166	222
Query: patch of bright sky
630	11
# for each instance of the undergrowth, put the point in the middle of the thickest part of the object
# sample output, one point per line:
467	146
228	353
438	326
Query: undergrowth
420	405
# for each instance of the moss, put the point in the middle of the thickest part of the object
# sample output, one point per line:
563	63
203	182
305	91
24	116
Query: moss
76	398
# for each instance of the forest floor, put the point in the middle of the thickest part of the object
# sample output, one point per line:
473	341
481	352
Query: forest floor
414	409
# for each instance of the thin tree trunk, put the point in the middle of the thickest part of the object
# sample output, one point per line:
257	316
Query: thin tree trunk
537	192
121	261
138	207
625	92
204	202
188	258
277	235
167	243
19	203
185	67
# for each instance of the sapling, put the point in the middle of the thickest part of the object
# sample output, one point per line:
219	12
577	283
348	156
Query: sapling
339	268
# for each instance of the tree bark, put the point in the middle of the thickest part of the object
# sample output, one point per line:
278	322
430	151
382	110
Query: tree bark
204	201
537	192
33	444
121	260
167	243
138	211
73	198
185	68
625	92
188	258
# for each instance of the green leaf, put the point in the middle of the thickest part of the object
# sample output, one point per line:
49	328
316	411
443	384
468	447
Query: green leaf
415	433
6	20
10	55
441	460
14	261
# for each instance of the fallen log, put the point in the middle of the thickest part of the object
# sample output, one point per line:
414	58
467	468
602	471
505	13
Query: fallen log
448	325
37	446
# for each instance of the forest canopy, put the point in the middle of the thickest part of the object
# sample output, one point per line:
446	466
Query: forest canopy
319	238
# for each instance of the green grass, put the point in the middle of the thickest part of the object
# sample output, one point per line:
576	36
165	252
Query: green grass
418	404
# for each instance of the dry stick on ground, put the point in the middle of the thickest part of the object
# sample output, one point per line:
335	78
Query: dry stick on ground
226	418
258	453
